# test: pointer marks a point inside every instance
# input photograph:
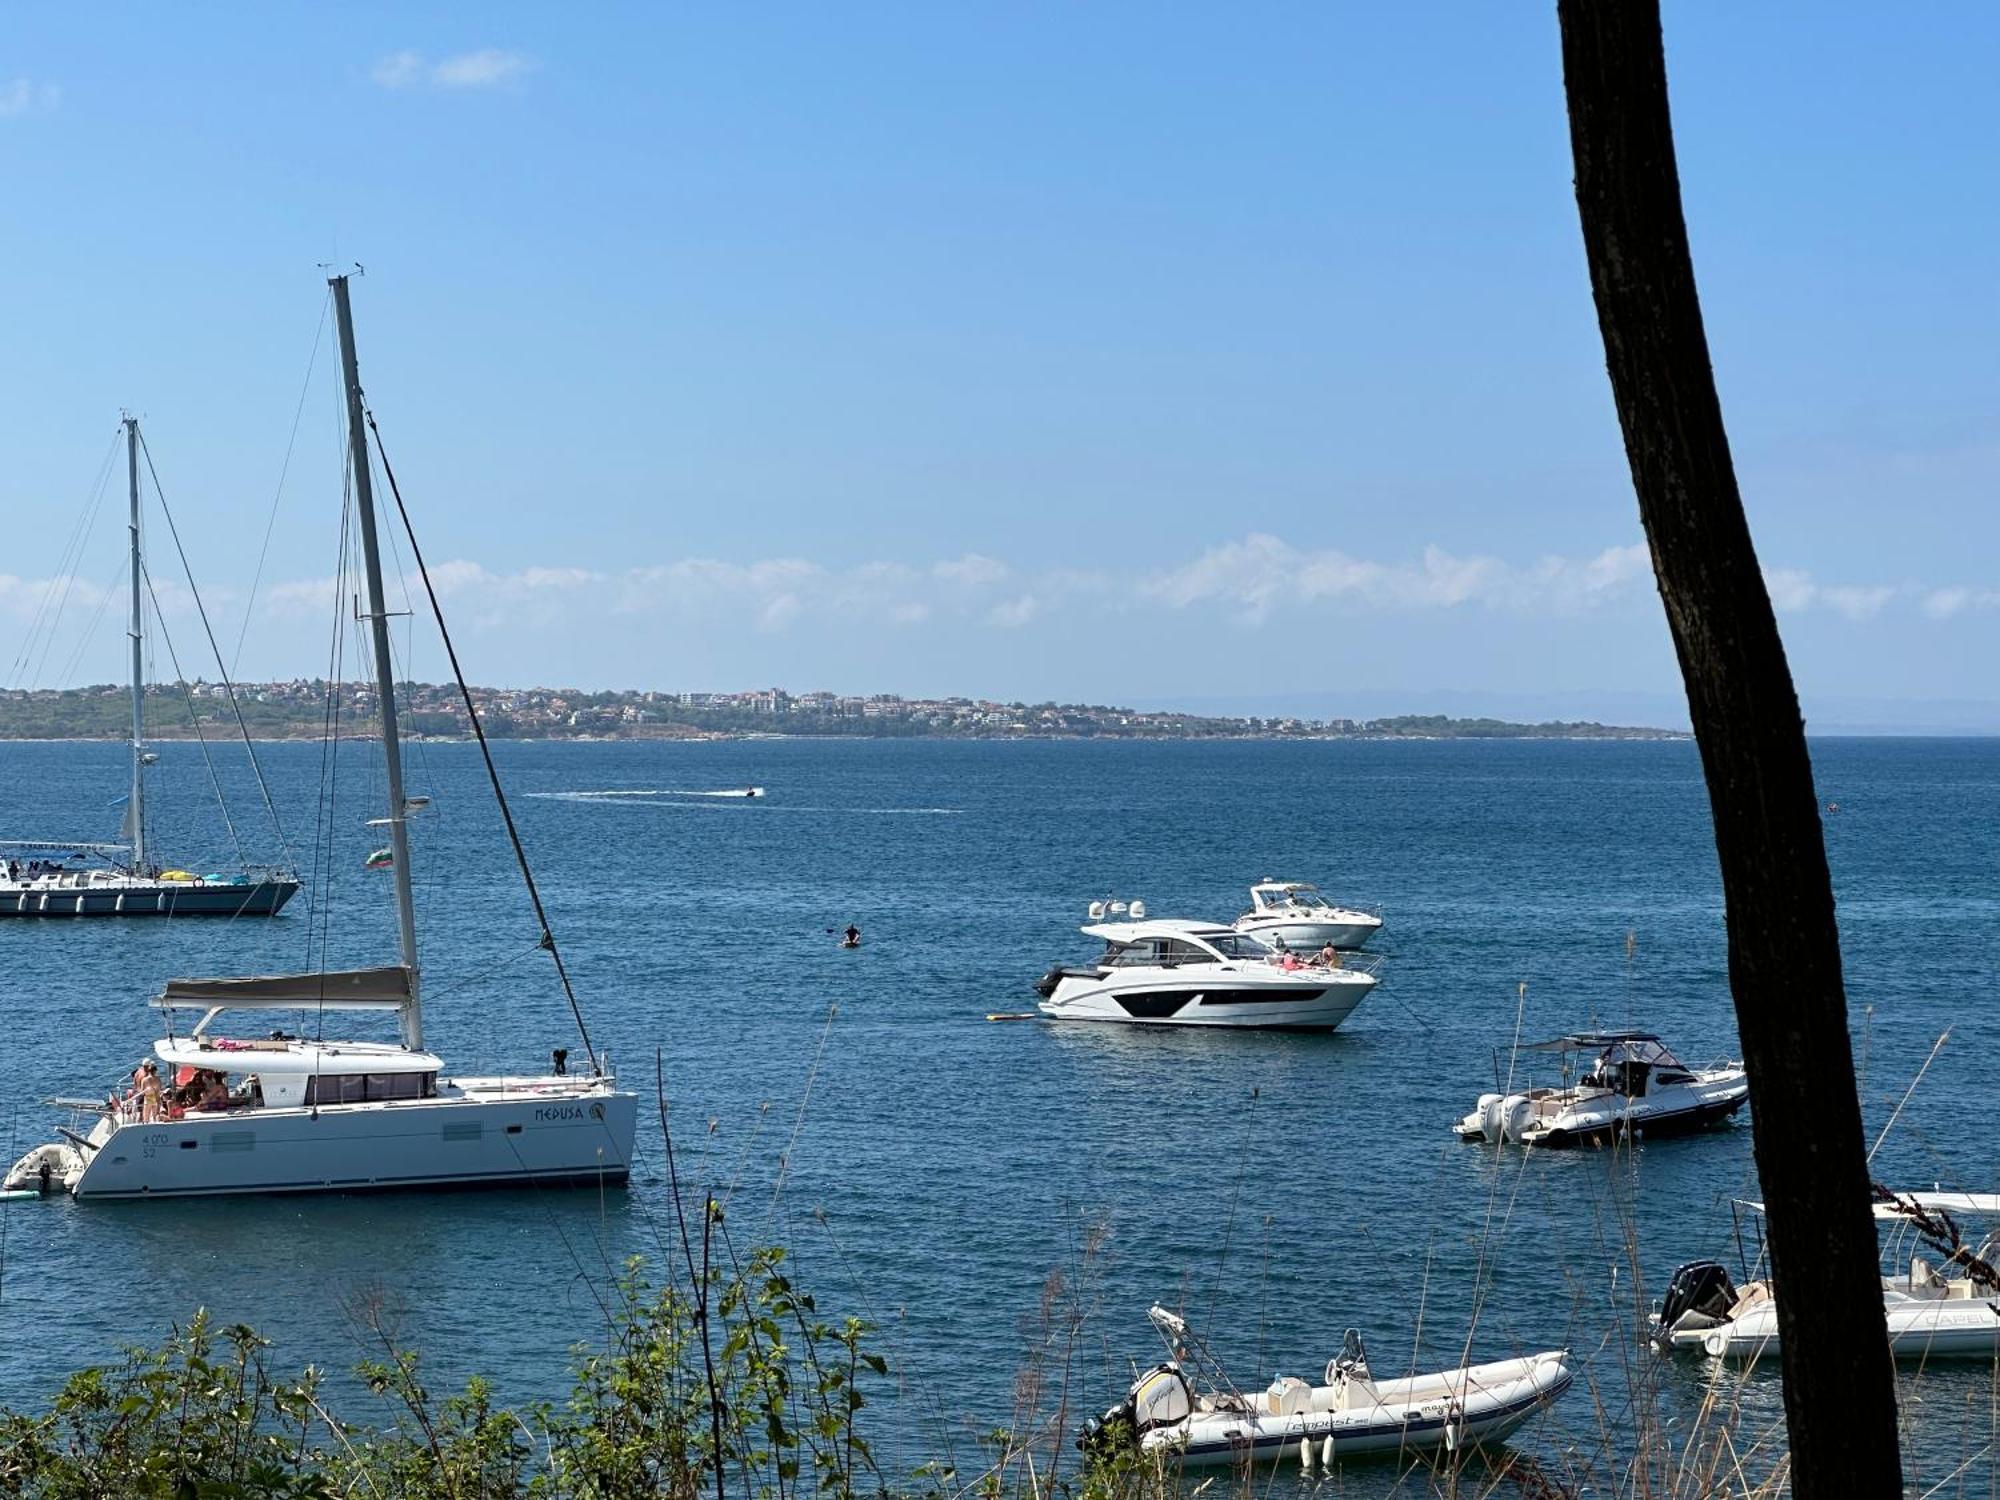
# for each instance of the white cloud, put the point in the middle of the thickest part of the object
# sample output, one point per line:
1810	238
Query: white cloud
479	70
486	68
1014	613
1262	573
23	96
1252	579
398	70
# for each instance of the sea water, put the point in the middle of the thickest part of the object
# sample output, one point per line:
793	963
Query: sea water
932	1170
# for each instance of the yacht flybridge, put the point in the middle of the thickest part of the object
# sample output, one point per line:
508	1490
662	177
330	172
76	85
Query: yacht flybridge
1172	973
44	879
1632	1086
308	1114
1293	914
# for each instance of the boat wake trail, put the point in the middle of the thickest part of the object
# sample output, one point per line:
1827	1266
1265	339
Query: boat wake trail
669	797
641	793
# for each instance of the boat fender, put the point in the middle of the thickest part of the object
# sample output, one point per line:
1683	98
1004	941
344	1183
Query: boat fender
1306	1454
1326	1452
1454	1423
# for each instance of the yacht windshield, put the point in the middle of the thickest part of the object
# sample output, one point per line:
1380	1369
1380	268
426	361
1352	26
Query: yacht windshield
1237	945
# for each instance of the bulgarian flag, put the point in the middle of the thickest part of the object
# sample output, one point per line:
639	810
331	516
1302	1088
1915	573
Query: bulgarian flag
381	859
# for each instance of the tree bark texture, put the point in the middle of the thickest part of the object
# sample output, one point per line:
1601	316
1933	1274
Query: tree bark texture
1784	949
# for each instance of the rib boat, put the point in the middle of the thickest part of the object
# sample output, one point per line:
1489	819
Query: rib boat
1948	1308
1187	1411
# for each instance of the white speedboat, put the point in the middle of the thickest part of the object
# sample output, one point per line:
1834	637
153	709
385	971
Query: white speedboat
314	1115
1931	1313
1172	973
1293	914
1349	1415
1632	1086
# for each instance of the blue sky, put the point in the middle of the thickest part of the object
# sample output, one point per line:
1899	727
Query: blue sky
1143	353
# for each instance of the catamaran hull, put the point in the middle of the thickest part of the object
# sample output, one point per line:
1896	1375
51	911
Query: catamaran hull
583	1139
263	898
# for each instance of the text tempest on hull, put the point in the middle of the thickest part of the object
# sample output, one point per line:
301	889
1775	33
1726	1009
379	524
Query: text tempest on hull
312	1115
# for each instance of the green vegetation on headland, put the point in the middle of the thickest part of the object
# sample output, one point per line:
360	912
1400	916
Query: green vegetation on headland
300	709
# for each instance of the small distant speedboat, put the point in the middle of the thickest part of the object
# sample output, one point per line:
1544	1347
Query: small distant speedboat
1931	1314
1157	972
1349	1415
1634	1086
1293	914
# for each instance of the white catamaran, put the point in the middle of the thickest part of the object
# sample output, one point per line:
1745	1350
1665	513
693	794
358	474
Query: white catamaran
307	1114
40	878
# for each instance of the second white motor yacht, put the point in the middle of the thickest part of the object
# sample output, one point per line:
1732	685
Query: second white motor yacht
1173	973
1633	1086
1293	914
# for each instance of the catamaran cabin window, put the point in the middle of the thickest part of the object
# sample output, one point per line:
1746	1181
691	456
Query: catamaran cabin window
367	1088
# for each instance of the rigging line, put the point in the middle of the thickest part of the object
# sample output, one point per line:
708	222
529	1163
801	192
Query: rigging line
228	687
485	750
65	574
305	389
1936	1048
194	718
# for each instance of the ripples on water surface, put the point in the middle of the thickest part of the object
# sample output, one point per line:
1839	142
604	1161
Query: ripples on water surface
1282	1187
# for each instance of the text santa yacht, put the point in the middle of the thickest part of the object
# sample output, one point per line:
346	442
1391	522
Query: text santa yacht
1173	973
308	1114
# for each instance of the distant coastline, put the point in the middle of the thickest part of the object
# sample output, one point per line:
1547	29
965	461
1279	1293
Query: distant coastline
301	709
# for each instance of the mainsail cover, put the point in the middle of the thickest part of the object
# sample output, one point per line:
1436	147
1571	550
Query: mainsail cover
383	988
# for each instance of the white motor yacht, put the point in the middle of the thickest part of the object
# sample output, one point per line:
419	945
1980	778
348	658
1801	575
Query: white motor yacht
1633	1086
1931	1313
309	1114
1173	973
1188	1411
1293	914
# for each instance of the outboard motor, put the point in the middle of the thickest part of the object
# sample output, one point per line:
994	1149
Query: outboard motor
1700	1286
1158	1398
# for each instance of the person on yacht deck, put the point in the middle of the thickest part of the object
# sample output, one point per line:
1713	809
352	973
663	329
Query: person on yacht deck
214	1094
147	1089
1327	957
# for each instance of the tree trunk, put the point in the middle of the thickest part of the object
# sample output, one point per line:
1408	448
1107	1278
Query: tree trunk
1784	949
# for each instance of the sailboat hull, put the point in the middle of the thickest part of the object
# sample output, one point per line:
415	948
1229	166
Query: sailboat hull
480	1139
116	897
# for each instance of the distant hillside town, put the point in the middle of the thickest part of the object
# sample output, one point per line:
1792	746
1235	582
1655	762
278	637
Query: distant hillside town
302	708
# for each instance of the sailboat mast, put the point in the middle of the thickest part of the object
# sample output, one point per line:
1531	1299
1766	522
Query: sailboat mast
385	674
135	807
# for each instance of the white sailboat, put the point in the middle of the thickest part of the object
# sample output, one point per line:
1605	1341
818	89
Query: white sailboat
44	878
306	1114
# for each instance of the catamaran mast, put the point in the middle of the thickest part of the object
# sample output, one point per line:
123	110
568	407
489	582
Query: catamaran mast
385	674
135	806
